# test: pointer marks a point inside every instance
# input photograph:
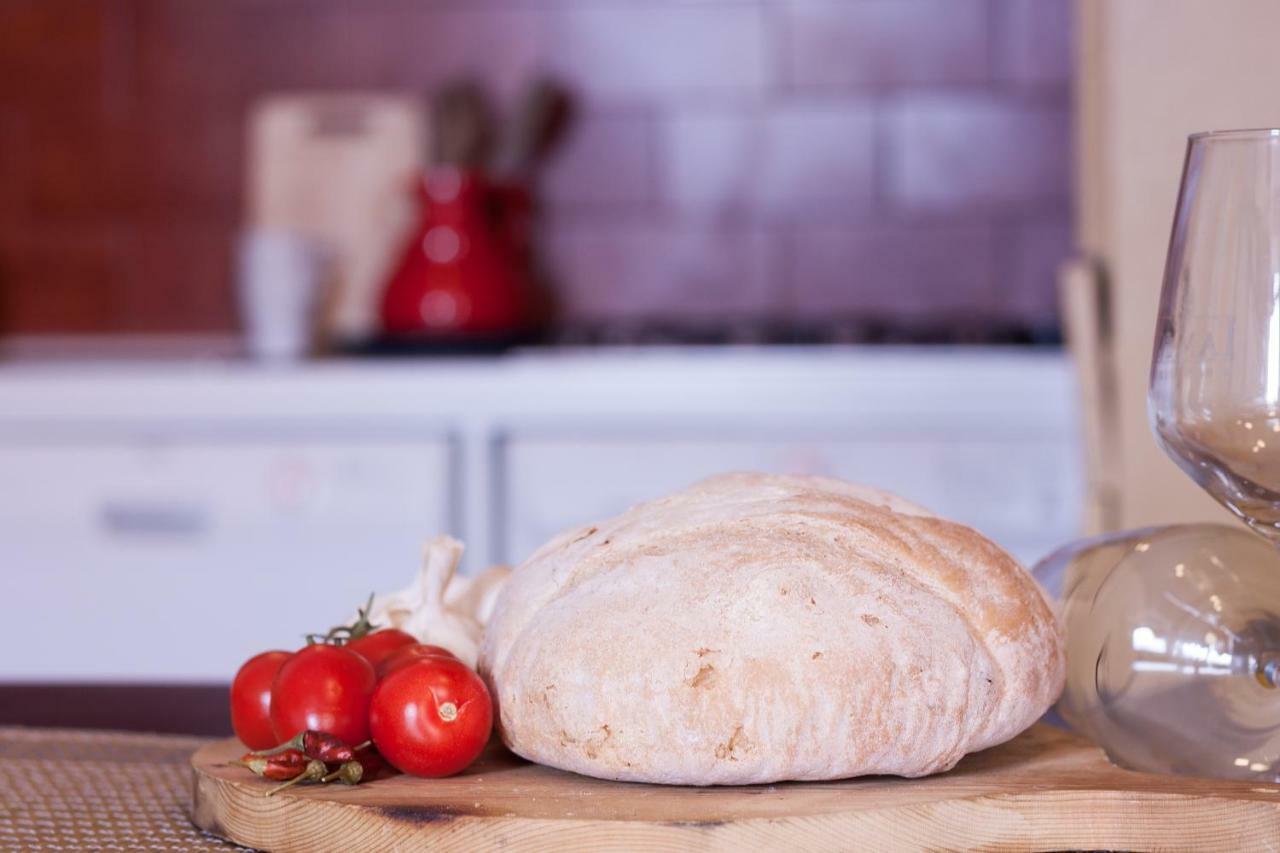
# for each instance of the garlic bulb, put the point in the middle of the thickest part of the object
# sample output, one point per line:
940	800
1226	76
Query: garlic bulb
440	606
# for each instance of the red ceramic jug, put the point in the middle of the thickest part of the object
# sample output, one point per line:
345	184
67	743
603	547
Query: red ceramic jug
466	271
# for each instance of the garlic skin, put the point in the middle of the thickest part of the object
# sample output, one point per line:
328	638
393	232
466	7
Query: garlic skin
441	607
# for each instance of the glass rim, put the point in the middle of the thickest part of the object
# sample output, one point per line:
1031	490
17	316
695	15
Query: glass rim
1242	133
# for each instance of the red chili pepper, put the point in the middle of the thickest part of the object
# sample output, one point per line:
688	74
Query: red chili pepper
326	747
281	766
318	745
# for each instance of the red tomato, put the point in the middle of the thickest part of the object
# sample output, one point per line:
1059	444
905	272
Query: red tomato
431	718
251	699
406	655
378	646
326	688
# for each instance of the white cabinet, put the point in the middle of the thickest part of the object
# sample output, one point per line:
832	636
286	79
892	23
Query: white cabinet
165	521
176	555
1021	491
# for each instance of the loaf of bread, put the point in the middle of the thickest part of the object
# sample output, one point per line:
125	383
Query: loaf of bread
757	628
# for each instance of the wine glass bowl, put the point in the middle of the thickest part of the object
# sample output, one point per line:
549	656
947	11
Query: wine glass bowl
1215	375
1174	633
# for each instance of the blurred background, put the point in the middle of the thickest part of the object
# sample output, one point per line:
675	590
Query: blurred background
289	286
817	168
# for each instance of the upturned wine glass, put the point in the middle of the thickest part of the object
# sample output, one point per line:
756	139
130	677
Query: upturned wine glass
1215	374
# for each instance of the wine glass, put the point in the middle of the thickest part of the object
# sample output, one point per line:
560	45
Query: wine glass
1174	633
1172	638
1215	374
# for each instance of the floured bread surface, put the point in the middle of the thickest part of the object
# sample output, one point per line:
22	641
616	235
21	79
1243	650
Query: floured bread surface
759	628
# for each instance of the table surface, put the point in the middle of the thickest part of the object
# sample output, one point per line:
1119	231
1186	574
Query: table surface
77	789
72	789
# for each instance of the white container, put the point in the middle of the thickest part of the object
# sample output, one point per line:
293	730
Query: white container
278	283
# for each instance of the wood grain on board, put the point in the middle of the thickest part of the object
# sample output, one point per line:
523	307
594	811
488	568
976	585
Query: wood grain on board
1046	789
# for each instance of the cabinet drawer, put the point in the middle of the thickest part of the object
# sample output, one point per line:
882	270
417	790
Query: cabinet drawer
181	556
1024	492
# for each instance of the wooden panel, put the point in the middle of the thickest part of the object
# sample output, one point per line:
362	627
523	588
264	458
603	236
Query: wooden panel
79	166
179	277
65	282
201	709
53	49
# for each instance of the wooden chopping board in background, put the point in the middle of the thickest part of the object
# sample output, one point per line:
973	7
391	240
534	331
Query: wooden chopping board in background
338	169
1045	790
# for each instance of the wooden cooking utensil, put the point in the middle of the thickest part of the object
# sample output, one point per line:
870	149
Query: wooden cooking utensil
463	122
539	123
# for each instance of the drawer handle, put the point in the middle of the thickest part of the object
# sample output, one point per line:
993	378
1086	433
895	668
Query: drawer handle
152	520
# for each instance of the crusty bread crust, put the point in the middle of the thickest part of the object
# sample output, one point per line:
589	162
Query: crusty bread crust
758	628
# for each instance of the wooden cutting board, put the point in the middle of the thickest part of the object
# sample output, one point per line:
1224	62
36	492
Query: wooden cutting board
1046	790
338	169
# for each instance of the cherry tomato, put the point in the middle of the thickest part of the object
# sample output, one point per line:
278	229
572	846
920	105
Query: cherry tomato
378	646
406	655
431	718
251	699
326	688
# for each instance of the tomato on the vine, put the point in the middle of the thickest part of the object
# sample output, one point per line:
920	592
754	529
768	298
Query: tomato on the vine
377	646
431	718
326	688
406	655
251	699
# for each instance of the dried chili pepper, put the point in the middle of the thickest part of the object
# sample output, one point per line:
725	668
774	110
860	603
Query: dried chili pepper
315	744
329	749
281	766
350	773
314	772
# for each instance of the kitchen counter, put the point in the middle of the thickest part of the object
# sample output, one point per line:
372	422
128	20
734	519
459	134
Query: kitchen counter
207	493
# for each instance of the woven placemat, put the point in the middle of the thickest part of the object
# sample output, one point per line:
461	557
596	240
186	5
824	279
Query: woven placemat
68	789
